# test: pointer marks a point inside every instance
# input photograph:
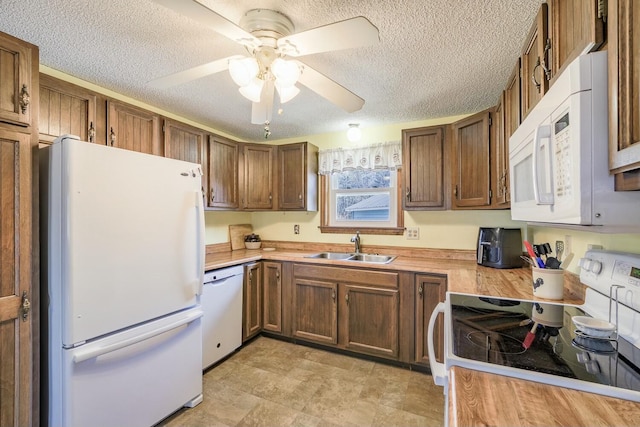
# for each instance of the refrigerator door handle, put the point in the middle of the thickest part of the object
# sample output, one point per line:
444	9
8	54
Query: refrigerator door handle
95	351
201	237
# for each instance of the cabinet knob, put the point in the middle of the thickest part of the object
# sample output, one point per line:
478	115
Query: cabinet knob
299	196
213	195
408	193
420	290
333	295
112	137
346	297
278	275
25	99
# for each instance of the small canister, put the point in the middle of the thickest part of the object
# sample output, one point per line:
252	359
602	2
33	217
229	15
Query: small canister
548	283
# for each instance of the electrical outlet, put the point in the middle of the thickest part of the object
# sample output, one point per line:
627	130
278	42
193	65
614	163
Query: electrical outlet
296	229
413	233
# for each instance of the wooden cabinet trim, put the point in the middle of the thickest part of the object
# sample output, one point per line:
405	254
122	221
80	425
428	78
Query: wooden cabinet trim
347	275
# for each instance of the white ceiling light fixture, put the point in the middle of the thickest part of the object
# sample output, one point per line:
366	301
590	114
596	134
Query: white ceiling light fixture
354	133
269	37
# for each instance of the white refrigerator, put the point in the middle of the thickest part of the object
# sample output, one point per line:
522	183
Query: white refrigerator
122	253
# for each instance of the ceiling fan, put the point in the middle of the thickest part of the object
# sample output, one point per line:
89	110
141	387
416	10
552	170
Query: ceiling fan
268	37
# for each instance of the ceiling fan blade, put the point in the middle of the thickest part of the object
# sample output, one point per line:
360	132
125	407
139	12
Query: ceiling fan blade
350	33
261	112
192	73
200	13
329	89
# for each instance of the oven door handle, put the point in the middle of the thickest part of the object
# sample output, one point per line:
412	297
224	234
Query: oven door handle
542	166
437	369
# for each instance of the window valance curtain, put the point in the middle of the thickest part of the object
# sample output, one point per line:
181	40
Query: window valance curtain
384	155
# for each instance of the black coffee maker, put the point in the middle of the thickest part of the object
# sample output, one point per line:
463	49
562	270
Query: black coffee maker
500	247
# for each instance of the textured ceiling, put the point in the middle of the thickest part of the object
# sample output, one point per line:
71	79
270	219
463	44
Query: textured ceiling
435	58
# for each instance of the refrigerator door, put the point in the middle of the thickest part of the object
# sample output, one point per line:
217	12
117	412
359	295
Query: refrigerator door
125	238
132	378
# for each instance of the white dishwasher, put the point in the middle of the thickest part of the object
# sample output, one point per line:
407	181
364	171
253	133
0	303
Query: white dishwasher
222	319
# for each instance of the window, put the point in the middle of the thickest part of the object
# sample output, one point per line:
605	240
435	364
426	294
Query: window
365	200
359	189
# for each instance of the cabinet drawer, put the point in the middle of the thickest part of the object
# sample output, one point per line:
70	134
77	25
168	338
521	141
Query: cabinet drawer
343	275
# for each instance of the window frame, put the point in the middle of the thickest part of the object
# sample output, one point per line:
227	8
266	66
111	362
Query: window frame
325	214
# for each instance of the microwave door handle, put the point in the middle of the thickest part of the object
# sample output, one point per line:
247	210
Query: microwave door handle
543	131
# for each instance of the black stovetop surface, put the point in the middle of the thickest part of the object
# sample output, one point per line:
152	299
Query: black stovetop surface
493	330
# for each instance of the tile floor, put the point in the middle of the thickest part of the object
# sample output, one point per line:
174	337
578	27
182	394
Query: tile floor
274	383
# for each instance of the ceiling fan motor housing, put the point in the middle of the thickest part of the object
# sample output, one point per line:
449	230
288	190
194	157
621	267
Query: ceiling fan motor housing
267	25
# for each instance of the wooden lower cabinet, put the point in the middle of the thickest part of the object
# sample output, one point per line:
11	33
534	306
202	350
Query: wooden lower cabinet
315	312
252	301
371	320
272	296
348	308
429	291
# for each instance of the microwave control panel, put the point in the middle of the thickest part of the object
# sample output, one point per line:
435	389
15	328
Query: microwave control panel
562	148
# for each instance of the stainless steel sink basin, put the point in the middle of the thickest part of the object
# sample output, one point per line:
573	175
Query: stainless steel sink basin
331	255
344	256
382	259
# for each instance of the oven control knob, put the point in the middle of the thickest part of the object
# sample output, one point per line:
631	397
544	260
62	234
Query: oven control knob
596	267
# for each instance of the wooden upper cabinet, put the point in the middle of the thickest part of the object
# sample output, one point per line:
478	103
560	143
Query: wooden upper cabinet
133	128
298	177
183	142
222	172
624	92
424	160
258	176
65	109
575	27
499	156
470	149
534	79
512	103
18	60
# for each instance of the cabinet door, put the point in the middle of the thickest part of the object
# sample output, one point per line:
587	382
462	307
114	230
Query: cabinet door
534	79
371	320
471	183
512	103
500	156
65	109
223	173
258	176
297	177
424	164
429	291
16	332
575	28
315	311
624	92
133	129
183	142
252	301
16	80
272	284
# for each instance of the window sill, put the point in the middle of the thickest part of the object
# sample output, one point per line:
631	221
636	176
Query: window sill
362	230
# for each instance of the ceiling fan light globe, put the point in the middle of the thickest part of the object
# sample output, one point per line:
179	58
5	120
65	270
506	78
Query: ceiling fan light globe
286	73
253	90
243	71
286	93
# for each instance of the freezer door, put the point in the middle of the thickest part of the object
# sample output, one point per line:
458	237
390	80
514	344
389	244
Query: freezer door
125	238
134	378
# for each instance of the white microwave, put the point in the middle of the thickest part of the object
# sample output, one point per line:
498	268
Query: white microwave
558	156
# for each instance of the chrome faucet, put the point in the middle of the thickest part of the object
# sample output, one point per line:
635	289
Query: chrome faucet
356	239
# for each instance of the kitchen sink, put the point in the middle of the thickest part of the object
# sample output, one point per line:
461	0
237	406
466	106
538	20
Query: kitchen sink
358	257
331	255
